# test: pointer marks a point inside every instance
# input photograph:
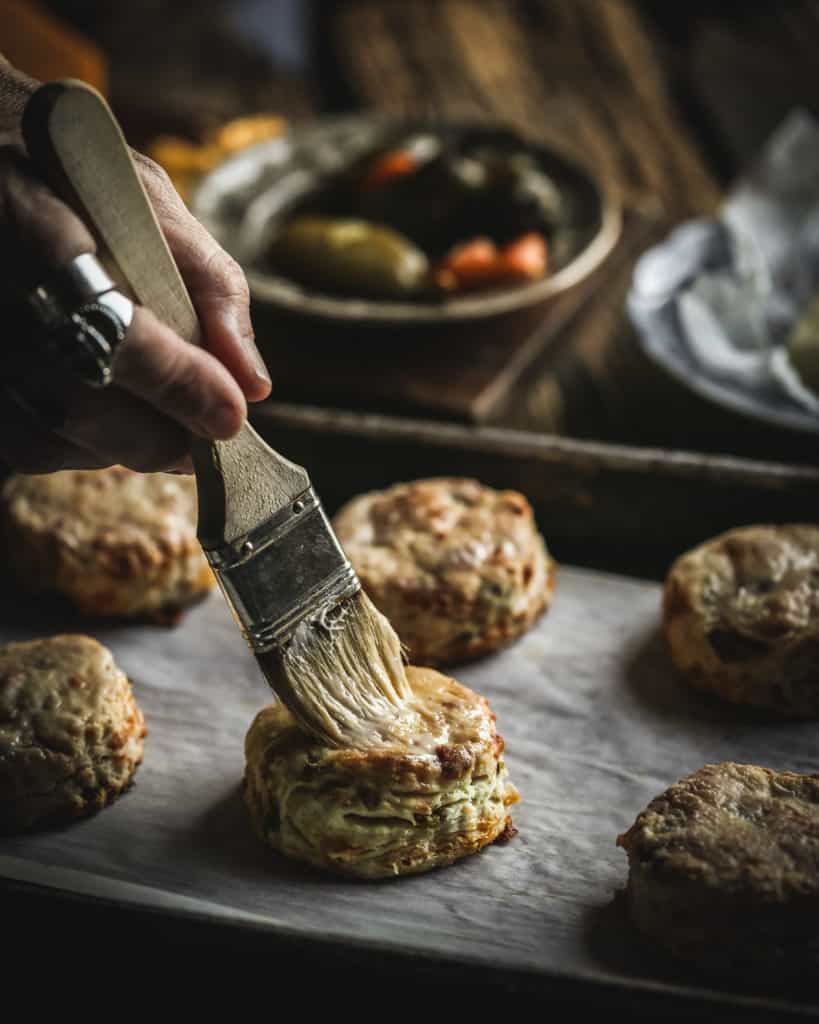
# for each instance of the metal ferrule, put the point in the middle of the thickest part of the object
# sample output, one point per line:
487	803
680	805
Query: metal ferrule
288	568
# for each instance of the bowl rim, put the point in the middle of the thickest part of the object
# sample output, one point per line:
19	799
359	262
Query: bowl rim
286	295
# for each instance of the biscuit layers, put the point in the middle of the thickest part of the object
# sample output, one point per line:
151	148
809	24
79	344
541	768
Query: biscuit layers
406	807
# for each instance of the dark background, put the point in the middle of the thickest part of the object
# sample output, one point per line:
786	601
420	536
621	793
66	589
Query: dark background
735	68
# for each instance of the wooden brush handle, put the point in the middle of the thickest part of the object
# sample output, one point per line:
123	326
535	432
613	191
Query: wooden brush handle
77	144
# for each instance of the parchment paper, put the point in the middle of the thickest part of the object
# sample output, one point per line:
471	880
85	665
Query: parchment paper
595	726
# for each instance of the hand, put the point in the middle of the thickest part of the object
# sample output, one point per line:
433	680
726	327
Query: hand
163	387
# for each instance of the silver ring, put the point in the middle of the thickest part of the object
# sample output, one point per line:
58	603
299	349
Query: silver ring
97	329
83	279
80	281
85	318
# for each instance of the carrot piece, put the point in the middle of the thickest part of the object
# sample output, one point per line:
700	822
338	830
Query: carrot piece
526	257
472	257
388	167
467	266
480	264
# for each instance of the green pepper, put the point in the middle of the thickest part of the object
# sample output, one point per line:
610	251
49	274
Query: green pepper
349	257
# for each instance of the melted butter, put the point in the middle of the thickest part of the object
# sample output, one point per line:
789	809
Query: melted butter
417	726
414	728
345	682
432	718
342	675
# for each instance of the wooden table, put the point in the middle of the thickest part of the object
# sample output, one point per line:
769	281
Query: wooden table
654	95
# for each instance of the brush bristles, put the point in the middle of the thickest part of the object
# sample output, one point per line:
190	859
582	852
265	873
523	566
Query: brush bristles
342	673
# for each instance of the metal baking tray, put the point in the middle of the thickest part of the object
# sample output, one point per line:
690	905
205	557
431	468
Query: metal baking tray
594	721
595	725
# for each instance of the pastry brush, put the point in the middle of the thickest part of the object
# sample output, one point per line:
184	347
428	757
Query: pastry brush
325	650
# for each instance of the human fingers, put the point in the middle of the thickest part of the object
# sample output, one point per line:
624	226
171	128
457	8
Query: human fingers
115	427
217	284
185	383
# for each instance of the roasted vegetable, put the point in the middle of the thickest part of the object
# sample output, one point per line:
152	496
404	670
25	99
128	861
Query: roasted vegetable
389	167
434	207
432	213
518	197
458	195
480	264
349	257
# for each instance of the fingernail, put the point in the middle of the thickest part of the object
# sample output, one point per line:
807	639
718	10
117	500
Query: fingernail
258	363
245	332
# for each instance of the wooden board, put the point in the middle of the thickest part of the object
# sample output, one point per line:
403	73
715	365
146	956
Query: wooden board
595	726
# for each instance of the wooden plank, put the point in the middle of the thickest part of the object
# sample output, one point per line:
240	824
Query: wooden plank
568	388
624	508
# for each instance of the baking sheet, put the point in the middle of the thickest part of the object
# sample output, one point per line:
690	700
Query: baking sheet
595	726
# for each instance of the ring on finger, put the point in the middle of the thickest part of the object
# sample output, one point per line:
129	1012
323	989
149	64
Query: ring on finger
68	288
84	317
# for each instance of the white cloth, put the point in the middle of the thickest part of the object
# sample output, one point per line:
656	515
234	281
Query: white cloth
715	301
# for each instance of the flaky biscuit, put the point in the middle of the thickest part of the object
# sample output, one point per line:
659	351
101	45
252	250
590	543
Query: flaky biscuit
724	870
441	793
458	568
71	732
116	542
741	617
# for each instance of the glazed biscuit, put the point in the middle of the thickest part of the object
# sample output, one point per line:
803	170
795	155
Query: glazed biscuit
724	870
71	733
115	542
458	568
436	793
741	617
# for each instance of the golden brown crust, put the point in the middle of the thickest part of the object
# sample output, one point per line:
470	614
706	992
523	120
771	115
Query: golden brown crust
389	811
741	617
115	542
724	868
71	732
458	568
